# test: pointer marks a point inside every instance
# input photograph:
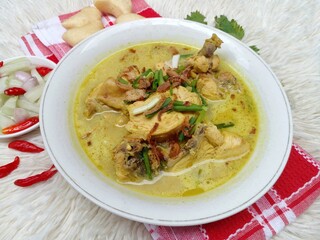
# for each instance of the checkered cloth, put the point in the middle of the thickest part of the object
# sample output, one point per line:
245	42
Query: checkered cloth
296	189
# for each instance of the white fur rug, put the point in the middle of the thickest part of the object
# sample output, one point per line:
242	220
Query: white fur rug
288	34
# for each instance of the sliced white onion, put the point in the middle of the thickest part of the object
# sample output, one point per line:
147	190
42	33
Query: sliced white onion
30	83
46	77
3	84
27	105
22	75
175	61
14	83
146	107
20	114
5	121
34	94
20	64
3	98
9	106
35	74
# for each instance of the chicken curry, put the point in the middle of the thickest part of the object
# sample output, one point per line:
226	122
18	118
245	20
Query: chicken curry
167	119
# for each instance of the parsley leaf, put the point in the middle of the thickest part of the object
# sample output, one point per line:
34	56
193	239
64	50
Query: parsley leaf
196	17
231	27
255	48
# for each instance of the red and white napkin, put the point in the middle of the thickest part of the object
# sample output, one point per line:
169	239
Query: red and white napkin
46	38
296	189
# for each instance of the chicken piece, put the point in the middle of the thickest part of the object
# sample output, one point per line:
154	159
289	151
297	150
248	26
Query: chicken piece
227	82
206	61
233	146
208	88
192	151
106	93
214	62
130	73
140	125
210	46
201	64
214	136
185	95
128	165
135	94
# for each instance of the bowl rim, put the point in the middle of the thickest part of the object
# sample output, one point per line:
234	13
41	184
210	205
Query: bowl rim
144	219
35	126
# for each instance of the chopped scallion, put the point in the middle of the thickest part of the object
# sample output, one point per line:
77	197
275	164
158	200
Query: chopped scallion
121	80
192	120
135	83
225	125
146	161
161	81
191	108
181	137
186	55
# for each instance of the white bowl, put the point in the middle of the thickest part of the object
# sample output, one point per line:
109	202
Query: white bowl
256	178
39	62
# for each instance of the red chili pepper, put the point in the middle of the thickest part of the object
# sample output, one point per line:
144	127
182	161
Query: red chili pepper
25	146
43	70
21	126
1	63
14	91
5	170
44	176
53	58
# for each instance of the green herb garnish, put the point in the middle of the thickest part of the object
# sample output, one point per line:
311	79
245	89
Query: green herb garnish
182	56
224	24
180	69
146	73
193	85
146	161
224	125
231	27
155	82
135	83
192	120
196	17
255	48
123	81
181	137
161	81
190	108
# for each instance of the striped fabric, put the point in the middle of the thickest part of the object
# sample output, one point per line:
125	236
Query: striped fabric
46	38
296	189
293	193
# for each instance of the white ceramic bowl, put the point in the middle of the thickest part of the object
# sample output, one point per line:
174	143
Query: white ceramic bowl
256	178
38	62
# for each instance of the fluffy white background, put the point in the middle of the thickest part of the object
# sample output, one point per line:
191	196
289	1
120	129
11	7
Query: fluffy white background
288	34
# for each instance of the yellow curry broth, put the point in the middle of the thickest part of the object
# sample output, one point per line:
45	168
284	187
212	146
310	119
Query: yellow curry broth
100	134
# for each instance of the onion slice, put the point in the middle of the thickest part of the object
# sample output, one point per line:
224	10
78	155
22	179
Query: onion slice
13	66
22	75
24	103
20	114
34	94
30	83
5	121
146	107
175	61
